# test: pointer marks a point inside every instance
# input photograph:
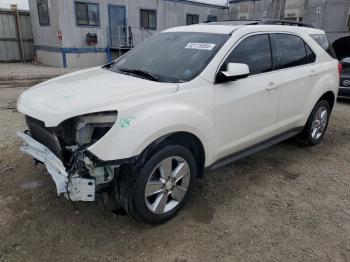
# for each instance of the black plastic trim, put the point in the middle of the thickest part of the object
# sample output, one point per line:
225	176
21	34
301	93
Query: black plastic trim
283	22
256	148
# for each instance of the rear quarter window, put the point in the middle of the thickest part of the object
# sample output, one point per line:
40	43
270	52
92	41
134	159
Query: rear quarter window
311	57
322	40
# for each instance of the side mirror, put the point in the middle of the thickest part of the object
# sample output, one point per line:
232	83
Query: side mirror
234	71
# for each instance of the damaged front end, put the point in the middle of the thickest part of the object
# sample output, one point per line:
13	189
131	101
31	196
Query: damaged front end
77	173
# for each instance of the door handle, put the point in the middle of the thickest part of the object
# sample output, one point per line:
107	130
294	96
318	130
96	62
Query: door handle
271	86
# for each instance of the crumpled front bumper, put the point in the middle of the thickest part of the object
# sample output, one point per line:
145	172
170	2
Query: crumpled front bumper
74	188
53	164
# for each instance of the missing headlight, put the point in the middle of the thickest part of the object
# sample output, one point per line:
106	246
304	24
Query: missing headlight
92	127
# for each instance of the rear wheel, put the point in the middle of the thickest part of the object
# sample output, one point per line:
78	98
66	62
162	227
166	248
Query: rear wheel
317	123
162	185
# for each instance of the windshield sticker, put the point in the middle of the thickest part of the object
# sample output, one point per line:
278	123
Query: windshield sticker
200	46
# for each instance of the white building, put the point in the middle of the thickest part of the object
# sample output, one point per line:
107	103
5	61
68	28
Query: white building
84	33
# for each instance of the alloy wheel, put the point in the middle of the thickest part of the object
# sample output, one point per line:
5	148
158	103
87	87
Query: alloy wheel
167	185
319	123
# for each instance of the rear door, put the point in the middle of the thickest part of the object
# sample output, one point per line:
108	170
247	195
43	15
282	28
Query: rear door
298	73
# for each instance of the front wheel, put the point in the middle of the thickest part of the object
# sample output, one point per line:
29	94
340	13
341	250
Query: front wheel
163	185
317	123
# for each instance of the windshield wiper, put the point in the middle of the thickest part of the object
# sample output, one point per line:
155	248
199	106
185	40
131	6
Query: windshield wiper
140	72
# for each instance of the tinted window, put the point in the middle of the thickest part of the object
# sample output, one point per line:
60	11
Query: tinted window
311	57
148	19
192	19
172	57
290	51
255	51
43	13
346	65
322	40
86	14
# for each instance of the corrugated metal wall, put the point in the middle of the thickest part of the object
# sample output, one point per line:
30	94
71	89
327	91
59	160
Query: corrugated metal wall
16	38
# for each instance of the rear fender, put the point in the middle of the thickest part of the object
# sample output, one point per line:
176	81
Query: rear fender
329	81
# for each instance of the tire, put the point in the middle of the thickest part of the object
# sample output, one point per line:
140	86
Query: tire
156	193
316	124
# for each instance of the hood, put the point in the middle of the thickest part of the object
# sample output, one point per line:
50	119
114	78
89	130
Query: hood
87	91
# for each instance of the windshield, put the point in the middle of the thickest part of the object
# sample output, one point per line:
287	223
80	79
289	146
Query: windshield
171	57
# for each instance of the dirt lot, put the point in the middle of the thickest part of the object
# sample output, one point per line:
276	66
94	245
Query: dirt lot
287	203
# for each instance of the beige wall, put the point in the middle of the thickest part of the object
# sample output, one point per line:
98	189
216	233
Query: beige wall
86	59
49	58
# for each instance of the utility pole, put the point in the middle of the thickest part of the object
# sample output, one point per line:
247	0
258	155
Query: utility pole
278	9
18	31
282	9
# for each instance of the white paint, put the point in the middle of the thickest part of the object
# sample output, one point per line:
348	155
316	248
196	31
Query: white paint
87	91
225	117
236	69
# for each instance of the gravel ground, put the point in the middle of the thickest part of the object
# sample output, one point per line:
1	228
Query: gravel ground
28	70
287	203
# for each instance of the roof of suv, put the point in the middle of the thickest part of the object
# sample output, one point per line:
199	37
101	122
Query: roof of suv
227	29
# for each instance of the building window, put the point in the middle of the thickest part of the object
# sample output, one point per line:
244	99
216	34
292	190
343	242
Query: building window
148	19
43	13
212	18
87	14
192	19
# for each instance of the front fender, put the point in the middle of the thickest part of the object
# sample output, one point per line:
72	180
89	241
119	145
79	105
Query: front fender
136	129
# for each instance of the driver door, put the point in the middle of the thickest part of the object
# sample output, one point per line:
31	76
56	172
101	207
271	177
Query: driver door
247	109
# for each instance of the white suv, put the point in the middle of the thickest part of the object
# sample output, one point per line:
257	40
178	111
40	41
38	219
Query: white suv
145	126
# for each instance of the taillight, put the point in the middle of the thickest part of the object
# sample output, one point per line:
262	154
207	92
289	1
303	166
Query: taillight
340	68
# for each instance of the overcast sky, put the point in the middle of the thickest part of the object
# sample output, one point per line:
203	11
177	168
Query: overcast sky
215	2
23	4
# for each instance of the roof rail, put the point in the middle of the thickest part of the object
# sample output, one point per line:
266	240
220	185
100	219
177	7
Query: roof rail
283	22
234	22
243	20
